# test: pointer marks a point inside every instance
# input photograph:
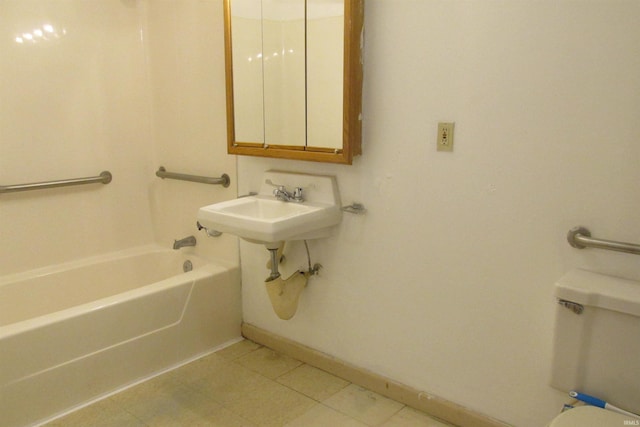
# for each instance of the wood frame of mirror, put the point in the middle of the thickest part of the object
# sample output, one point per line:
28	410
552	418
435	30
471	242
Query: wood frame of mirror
352	98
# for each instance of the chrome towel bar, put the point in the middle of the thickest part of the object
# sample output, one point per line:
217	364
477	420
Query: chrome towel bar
224	180
580	238
104	178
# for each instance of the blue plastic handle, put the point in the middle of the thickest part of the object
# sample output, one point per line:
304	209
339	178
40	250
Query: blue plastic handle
594	401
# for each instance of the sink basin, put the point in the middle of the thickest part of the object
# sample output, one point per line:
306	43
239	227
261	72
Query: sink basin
263	209
265	219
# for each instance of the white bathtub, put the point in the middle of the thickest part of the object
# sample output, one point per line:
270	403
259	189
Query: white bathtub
72	333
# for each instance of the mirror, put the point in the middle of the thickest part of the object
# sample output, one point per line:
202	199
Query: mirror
294	78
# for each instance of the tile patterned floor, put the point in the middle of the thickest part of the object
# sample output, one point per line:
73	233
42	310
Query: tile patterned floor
247	385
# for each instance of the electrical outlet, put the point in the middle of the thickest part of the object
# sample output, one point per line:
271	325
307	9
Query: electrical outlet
445	136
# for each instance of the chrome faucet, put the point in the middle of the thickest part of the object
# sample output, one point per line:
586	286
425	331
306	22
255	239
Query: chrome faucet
187	241
281	193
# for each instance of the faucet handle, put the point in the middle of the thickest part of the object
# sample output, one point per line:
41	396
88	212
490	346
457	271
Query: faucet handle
297	194
271	183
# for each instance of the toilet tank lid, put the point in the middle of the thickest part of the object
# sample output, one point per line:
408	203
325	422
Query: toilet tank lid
600	290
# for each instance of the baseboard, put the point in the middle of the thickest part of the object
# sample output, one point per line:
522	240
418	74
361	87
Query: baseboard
432	405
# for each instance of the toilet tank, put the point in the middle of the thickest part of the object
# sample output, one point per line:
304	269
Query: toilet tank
596	347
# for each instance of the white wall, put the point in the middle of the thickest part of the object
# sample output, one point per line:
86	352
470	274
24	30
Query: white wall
446	284
126	86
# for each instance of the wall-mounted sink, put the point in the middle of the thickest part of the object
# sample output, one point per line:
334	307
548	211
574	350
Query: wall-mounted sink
265	219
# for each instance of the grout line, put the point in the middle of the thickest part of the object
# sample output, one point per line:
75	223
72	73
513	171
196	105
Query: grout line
394	414
306	395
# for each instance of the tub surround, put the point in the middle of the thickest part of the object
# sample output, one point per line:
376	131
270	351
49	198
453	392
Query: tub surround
129	86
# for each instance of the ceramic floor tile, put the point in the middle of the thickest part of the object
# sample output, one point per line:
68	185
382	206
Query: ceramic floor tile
238	349
313	382
229	384
323	416
409	417
163	408
160	385
271	404
190	408
165	401
199	368
363	405
220	418
268	363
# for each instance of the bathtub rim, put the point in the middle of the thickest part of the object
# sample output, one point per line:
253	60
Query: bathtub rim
208	268
97	258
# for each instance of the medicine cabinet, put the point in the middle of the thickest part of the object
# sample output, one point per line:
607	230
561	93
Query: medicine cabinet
294	78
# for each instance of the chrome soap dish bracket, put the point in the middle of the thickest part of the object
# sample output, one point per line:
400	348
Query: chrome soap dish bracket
355	208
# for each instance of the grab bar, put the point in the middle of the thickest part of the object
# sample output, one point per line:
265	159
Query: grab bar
224	180
580	238
104	177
